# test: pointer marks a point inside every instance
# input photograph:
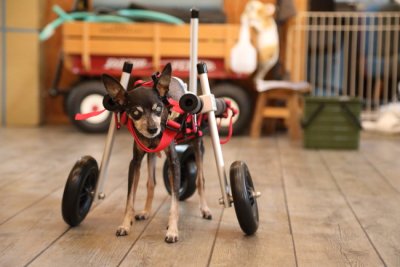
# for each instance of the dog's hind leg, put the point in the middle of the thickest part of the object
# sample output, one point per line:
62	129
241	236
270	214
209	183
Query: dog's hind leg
198	150
133	180
151	167
174	175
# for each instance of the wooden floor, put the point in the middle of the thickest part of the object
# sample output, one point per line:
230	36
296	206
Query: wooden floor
318	208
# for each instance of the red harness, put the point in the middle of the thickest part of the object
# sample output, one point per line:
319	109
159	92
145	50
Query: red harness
174	131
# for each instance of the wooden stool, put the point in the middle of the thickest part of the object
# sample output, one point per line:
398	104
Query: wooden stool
288	92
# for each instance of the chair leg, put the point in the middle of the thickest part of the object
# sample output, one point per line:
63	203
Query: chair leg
256	124
293	120
270	125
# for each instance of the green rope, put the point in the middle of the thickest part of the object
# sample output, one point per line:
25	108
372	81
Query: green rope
138	14
122	16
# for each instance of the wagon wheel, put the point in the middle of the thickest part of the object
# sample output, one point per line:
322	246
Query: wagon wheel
84	98
240	100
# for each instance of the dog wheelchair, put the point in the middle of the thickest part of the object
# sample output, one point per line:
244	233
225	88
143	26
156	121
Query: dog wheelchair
85	181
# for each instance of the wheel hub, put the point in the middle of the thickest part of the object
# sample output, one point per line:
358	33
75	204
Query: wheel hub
92	103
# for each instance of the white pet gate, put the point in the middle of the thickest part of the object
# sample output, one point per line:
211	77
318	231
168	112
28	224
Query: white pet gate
347	53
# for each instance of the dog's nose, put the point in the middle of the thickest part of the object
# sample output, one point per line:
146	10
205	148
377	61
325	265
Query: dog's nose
152	130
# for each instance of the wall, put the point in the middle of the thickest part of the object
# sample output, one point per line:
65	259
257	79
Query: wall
20	99
2	63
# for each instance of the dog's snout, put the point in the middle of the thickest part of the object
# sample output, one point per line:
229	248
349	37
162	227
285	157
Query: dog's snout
152	130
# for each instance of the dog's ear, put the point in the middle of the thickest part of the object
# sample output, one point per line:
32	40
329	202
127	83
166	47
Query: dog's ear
114	89
164	80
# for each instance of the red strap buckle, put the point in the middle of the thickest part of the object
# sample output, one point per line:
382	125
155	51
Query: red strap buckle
173	126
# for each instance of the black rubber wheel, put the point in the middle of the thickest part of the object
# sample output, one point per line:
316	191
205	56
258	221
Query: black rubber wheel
240	100
86	97
188	173
79	190
243	199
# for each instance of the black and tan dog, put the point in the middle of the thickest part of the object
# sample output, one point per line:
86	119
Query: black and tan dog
145	106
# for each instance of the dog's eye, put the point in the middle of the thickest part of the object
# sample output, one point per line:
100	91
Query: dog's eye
157	110
136	114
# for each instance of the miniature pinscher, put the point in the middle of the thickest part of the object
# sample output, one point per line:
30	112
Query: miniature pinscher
147	109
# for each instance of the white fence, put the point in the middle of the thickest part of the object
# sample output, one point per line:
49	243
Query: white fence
351	54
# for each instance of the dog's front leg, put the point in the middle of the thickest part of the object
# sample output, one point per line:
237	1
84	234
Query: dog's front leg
198	152
174	175
133	180
151	169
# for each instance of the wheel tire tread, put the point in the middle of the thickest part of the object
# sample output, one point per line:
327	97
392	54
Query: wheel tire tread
248	221
73	188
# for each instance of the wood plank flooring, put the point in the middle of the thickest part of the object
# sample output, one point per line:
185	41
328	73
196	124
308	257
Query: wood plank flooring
318	207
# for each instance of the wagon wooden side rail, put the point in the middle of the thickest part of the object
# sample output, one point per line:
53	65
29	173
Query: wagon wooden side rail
153	41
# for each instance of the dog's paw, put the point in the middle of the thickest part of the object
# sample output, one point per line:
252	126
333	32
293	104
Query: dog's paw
206	213
122	231
144	215
172	236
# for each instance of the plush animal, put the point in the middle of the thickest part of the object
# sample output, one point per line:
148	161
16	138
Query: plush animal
260	17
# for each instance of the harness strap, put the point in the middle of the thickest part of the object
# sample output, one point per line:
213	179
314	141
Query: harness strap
175	106
81	117
230	129
167	138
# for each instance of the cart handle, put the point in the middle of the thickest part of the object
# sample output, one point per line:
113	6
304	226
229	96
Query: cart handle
193	104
